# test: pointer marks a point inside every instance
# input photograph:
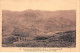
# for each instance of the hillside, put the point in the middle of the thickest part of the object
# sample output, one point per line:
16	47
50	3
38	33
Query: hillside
33	23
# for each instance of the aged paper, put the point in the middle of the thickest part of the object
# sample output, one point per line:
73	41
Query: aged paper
39	26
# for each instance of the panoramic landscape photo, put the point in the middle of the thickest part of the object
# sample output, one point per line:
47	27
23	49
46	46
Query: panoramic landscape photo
39	23
35	28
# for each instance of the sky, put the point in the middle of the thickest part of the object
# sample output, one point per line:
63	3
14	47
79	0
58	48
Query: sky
52	5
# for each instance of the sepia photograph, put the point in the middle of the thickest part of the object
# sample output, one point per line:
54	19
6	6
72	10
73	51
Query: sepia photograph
39	23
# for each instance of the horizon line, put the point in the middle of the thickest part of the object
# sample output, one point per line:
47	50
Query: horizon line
35	10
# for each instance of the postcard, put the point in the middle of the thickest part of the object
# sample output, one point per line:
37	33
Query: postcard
39	26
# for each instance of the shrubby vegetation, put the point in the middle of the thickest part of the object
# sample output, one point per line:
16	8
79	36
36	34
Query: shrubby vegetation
9	40
40	38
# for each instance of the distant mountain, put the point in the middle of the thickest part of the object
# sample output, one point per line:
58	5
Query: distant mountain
37	22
